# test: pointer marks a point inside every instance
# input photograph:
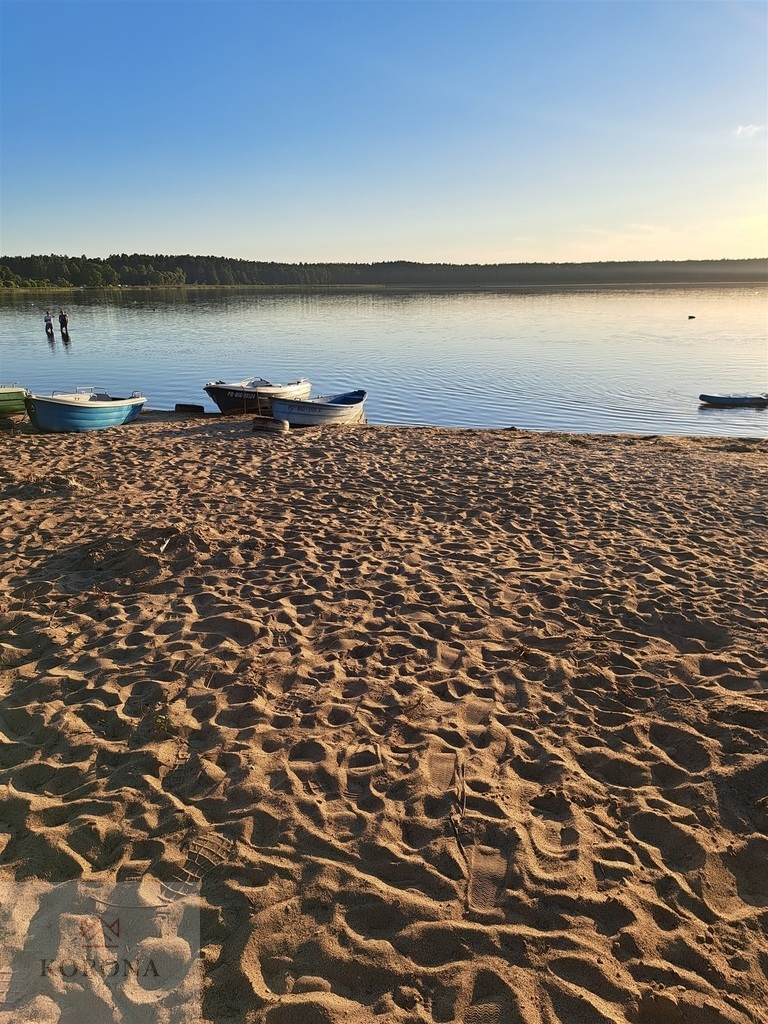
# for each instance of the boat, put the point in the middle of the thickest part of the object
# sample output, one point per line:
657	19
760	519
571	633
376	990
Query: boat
84	409
253	396
735	401
12	400
322	411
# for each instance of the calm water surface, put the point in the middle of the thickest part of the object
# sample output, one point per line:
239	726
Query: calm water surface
629	361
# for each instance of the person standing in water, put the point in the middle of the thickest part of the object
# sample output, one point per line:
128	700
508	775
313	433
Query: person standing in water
48	322
63	322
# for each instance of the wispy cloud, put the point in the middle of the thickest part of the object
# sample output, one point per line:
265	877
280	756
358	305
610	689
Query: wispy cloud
748	131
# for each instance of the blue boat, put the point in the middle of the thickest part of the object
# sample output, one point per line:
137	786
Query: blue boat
735	401
85	409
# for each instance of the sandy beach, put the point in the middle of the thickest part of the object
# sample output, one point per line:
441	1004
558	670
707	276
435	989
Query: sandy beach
433	725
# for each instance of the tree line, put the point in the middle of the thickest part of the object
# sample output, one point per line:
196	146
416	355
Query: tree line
175	271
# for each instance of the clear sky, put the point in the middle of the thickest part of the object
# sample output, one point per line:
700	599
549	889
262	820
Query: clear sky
456	131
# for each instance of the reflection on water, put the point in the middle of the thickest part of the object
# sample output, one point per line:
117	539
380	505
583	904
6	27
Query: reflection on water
586	360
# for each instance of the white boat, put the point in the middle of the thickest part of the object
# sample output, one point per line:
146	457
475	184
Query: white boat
323	411
253	396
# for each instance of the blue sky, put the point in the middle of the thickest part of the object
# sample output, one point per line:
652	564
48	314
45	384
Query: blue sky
316	130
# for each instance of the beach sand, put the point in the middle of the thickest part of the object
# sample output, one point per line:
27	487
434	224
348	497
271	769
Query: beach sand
446	725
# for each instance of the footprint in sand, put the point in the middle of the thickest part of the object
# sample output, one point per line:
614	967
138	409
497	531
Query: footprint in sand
439	768
70	781
488	869
290	707
203	854
682	746
613	862
483	1013
193	776
746	863
492	1002
677	846
552	841
656	1007
488	847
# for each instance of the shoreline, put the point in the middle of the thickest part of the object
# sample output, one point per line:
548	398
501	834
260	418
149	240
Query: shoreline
388	288
475	716
197	412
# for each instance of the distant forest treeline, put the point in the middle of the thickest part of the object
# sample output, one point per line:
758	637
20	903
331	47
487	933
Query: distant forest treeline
175	271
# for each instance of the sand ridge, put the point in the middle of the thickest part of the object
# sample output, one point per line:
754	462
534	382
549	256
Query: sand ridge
448	725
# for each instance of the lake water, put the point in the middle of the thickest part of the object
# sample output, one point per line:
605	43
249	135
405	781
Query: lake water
594	361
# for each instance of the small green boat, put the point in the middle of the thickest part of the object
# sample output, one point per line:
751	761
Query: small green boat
12	400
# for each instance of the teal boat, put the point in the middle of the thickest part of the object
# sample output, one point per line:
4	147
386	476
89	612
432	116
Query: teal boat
85	409
12	400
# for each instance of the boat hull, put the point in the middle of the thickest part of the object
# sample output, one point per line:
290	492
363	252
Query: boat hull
330	410
12	401
77	413
735	401
255	397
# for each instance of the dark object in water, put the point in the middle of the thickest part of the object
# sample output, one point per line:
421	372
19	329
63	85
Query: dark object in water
735	401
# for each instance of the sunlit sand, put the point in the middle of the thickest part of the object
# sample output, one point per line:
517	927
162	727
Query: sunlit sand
447	725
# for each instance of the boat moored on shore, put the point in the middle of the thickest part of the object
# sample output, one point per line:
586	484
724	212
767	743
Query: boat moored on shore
326	410
12	398
81	410
253	396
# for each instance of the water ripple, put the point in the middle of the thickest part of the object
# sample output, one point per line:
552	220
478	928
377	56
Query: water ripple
600	362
